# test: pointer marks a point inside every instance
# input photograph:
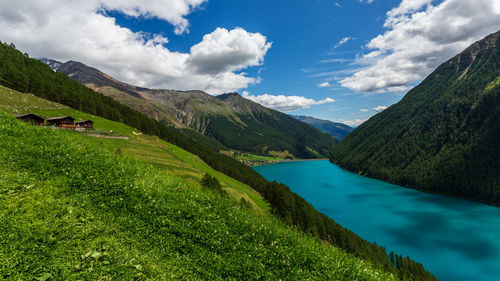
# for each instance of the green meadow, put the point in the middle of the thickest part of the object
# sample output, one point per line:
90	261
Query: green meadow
147	149
74	208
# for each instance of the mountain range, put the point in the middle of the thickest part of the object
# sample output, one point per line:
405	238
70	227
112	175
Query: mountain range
337	130
99	170
443	136
234	122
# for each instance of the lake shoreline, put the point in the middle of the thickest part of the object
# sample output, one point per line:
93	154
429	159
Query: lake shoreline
289	160
452	195
394	183
421	223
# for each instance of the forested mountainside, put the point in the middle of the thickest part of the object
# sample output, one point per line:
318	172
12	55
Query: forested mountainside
19	72
337	130
230	119
443	136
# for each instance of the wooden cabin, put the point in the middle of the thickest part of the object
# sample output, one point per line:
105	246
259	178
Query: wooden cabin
31	118
86	124
62	122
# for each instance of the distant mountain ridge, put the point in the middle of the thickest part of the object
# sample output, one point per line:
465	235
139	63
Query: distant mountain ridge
230	119
53	64
443	136
336	130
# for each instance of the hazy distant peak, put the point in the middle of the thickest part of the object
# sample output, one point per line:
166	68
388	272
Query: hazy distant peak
337	130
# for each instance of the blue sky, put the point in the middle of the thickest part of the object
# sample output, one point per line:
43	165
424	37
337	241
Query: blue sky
341	60
304	34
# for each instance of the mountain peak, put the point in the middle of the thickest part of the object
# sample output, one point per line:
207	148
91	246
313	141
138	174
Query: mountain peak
228	96
53	64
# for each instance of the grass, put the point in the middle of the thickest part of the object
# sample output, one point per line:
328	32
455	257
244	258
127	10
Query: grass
253	157
147	149
75	210
314	152
100	124
17	103
493	84
281	154
164	155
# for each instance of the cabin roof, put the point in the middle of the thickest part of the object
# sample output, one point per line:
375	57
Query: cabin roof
30	115
84	121
60	118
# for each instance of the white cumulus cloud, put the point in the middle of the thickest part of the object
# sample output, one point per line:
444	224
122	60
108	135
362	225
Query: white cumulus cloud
352	123
223	51
172	11
285	103
380	108
363	110
81	30
419	36
324	85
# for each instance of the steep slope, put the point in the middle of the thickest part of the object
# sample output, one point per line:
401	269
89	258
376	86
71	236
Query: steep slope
86	213
443	135
144	148
337	130
230	119
21	73
128	95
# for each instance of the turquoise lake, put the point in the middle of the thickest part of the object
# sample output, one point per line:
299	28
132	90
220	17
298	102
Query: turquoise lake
456	240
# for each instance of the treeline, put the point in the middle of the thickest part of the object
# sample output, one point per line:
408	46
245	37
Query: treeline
19	72
266	130
443	136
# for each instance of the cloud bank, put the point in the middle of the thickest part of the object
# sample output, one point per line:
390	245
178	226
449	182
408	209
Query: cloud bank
352	123
380	108
419	36
285	103
80	30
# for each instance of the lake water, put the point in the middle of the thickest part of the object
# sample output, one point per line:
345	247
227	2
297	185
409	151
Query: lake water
456	240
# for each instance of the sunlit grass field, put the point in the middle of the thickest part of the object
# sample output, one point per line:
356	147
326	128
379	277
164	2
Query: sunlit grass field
73	209
147	149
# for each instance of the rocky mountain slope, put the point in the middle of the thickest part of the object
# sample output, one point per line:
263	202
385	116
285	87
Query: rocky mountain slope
230	119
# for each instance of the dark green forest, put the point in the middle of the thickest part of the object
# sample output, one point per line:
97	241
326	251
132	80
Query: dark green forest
19	72
443	136
266	130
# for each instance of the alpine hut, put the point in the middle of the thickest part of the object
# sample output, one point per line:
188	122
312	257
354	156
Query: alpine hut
31	118
63	122
85	124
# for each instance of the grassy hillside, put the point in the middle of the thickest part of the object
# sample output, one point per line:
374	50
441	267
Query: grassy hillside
443	136
147	149
19	72
73	210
